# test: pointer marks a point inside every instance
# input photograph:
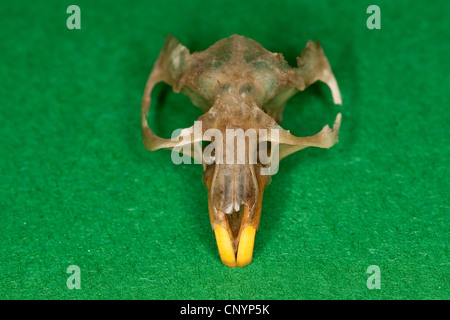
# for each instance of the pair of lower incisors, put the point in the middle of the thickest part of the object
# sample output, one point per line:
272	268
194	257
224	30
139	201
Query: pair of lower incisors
238	85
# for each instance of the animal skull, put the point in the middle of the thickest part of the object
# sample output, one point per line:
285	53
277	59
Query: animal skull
239	85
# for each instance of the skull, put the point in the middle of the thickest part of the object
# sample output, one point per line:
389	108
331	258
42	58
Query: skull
242	89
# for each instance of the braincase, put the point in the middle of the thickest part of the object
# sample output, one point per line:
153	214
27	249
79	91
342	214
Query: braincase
235	63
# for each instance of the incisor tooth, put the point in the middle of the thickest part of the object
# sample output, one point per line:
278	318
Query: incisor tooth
245	249
225	247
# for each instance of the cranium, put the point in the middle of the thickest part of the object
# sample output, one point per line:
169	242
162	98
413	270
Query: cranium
239	85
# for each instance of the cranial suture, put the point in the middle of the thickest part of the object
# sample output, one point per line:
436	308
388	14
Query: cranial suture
239	85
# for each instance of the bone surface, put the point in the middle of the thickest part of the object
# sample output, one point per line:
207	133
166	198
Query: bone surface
239	85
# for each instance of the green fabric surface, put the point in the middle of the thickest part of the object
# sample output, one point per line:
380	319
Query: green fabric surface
78	188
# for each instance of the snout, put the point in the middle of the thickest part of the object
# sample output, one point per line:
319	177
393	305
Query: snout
235	230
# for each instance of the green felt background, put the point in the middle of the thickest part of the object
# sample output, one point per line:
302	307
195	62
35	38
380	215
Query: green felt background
78	188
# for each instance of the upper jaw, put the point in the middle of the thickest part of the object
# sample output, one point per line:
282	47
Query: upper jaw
235	190
235	231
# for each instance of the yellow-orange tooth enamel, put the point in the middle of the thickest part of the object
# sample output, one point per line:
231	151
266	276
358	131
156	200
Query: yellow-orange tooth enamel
245	249
225	246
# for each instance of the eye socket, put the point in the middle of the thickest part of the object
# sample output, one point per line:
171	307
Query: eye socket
169	112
